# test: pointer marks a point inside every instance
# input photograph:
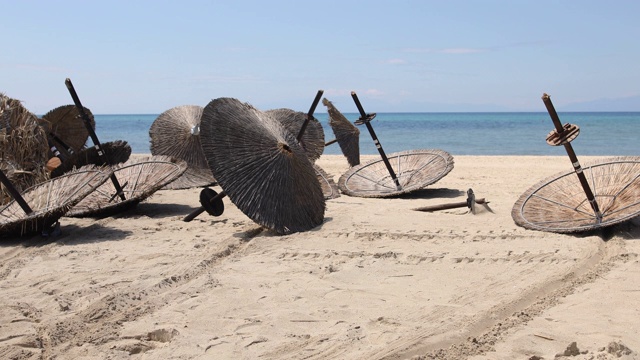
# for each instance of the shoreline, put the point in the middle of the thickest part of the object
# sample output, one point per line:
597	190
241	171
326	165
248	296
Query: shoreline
375	280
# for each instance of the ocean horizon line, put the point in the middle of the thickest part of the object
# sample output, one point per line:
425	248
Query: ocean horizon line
418	112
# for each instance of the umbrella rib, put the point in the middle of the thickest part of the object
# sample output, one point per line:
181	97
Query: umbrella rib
374	181
560	204
615	196
135	185
560	221
420	168
50	187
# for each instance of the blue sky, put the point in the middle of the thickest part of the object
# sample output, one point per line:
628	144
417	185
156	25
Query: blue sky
148	56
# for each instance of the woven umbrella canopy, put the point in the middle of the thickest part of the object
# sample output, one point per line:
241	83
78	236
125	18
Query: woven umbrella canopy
40	206
588	198
117	152
139	179
347	135
558	203
414	169
261	167
330	189
312	140
67	128
176	133
394	174
23	147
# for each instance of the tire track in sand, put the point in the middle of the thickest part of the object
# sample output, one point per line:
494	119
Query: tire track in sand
101	321
490	327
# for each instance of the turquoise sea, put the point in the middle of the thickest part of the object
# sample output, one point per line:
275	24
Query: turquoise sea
518	133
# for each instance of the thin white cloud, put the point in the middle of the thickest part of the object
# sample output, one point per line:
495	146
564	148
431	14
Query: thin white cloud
396	61
456	51
461	51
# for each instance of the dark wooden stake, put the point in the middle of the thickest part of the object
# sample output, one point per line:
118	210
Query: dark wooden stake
312	109
366	119
572	156
94	137
15	194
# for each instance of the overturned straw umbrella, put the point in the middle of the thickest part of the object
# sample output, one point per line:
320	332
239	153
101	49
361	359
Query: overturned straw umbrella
558	203
394	174
261	167
139	179
347	135
38	208
312	139
23	147
117	152
67	129
176	133
414	170
587	198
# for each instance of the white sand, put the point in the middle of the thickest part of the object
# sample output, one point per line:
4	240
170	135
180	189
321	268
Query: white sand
376	280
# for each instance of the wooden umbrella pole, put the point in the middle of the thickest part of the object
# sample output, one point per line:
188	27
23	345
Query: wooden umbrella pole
450	206
572	156
365	120
92	134
15	193
312	109
201	209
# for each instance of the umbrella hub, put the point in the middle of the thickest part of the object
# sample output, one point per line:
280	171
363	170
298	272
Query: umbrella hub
285	149
195	130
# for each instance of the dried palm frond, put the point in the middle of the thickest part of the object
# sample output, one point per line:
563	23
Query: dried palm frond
261	167
23	147
176	133
347	135
559	204
312	140
49	201
116	152
139	179
415	169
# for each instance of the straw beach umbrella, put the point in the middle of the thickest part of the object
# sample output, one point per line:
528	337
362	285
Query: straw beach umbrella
558	203
23	147
67	128
396	174
176	133
38	208
139	179
347	135
588	198
117	152
414	169
312	140
261	167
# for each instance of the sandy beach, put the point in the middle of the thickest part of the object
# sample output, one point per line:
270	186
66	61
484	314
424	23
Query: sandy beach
377	280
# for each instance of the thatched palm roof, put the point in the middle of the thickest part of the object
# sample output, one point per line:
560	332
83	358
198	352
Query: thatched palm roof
312	140
176	133
49	201
65	124
347	135
138	178
261	167
23	147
